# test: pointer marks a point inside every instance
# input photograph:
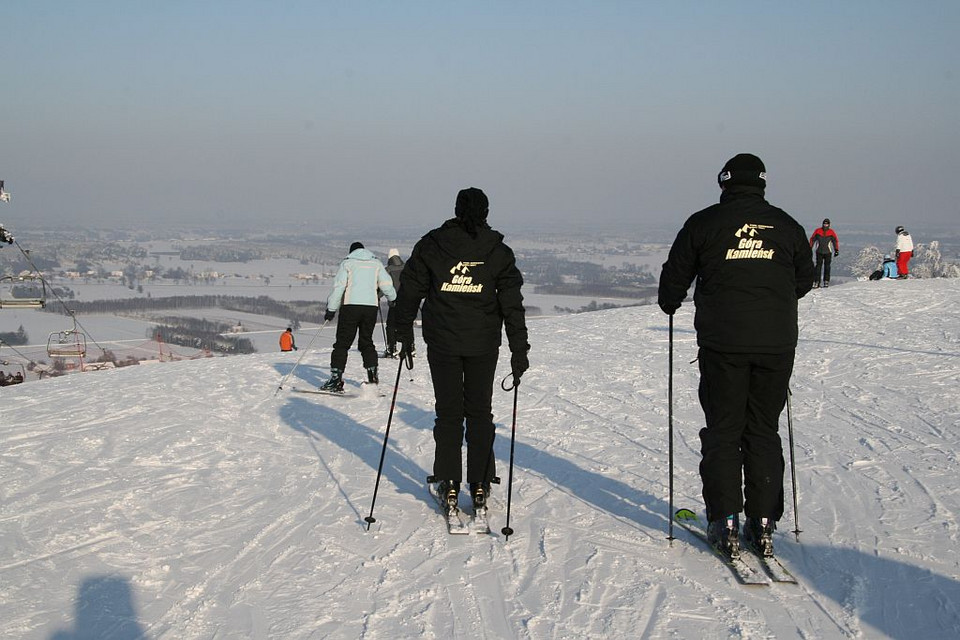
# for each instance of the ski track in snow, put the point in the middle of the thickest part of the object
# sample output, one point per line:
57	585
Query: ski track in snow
190	500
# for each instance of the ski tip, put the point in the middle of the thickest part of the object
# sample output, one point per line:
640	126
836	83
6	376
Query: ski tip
685	514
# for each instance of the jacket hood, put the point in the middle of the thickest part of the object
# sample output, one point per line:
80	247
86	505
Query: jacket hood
361	254
454	240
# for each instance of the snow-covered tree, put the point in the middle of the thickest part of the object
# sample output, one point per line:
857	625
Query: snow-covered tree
867	261
929	263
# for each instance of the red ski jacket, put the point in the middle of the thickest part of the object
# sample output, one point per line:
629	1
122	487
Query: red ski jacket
824	238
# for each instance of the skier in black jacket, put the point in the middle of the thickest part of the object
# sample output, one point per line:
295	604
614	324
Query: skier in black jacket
470	284
394	268
752	262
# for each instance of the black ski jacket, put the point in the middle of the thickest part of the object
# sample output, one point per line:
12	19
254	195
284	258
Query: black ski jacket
752	262
471	291
394	268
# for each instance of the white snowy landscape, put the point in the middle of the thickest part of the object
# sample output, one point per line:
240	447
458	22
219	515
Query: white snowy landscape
191	500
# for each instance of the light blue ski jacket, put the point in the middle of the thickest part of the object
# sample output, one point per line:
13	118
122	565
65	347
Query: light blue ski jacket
358	279
889	269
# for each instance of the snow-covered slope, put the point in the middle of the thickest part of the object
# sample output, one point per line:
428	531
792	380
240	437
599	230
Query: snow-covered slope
187	500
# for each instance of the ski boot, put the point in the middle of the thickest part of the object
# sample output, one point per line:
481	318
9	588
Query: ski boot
758	533
372	377
391	352
826	283
724	535
448	491
816	285
479	492
335	383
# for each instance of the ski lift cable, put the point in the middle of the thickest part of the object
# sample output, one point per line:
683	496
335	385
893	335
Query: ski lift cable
3	343
47	286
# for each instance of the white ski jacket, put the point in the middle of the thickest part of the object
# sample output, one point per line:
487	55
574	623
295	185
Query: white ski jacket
358	279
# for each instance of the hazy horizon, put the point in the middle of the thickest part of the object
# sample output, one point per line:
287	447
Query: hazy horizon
251	114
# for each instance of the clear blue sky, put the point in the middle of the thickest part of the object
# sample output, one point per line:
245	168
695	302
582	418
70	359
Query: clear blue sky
563	112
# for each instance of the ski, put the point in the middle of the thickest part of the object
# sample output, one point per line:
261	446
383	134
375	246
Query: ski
744	573
364	391
371	389
774	568
480	522
321	392
455	524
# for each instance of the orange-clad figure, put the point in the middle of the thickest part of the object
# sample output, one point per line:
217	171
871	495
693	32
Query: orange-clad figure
287	343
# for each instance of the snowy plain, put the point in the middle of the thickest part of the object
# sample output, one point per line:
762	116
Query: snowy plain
193	500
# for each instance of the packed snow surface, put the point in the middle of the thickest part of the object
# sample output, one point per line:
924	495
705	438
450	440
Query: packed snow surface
198	500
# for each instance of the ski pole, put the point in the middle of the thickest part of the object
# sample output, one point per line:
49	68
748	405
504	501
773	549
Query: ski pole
386	436
290	373
793	469
382	328
507	531
670	426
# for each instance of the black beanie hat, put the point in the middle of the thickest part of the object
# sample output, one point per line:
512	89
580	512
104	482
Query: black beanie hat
355	246
826	221
471	209
745	169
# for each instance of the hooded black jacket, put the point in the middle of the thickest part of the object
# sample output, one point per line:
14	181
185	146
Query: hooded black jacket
752	262
394	268
471	290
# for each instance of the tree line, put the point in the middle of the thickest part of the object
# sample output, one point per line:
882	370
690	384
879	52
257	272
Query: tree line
295	310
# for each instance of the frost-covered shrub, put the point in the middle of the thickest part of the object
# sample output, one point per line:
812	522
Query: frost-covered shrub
867	261
927	262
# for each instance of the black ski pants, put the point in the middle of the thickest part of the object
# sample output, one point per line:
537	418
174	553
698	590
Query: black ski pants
392	327
823	263
354	319
463	388
742	395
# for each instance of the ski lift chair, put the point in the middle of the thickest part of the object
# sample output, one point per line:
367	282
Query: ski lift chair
7	301
13	378
67	344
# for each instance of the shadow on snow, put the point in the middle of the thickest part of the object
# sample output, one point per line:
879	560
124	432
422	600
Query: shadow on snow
104	610
897	598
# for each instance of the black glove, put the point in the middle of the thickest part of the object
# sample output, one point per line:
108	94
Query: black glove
328	316
836	253
405	338
295	349
668	309
392	303
519	363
